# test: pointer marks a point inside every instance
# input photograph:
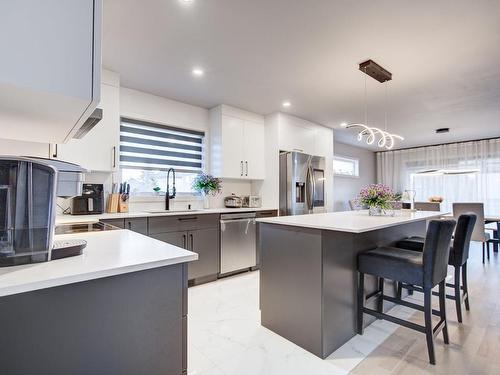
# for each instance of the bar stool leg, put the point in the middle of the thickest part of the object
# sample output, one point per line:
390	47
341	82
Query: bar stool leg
428	324
400	290
458	295
361	301
483	251
380	302
465	286
442	309
488	250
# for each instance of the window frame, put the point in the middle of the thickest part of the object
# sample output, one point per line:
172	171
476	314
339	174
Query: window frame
147	196
349	159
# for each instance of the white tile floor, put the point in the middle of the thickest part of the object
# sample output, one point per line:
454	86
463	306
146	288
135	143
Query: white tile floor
225	336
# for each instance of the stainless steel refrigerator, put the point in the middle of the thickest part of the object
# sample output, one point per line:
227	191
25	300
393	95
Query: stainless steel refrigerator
302	184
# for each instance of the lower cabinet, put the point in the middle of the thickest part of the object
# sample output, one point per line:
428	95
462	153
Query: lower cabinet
203	241
138	224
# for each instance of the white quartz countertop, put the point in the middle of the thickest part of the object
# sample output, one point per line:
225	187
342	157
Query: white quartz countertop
107	253
351	221
76	219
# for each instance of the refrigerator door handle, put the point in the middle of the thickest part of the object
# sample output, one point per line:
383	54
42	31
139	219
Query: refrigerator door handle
309	189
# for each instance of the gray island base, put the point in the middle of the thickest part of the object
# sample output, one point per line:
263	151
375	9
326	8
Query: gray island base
129	324
308	277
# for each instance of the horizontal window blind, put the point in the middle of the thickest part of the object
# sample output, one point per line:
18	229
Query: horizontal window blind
149	146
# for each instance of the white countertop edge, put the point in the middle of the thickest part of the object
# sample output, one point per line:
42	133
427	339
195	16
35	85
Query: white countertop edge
82	277
86	219
281	220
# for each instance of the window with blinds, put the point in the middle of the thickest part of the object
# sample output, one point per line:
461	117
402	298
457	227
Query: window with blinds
148	150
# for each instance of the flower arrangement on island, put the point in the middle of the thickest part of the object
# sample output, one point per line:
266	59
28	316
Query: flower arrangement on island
379	198
207	185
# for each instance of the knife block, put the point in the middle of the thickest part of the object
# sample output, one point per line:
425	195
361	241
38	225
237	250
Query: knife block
113	203
122	205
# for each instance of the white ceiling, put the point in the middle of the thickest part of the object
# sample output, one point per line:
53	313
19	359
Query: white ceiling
444	56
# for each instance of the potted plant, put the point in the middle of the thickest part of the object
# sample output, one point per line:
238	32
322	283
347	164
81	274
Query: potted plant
378	198
207	185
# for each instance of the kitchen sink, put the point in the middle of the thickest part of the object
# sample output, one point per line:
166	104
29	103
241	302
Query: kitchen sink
172	211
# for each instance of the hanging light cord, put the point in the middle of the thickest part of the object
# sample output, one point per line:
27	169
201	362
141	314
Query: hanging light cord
372	134
366	102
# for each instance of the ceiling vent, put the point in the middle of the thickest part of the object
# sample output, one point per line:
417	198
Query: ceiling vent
442	130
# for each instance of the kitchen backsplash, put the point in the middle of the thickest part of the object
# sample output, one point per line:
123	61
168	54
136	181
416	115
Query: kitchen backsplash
152	203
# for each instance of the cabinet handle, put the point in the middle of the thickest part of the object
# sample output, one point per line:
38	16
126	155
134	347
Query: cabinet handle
241	168
192	242
184	242
129	223
246	165
188	218
54	154
114	156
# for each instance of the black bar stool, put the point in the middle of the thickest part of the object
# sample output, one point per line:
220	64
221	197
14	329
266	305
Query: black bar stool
459	254
425	269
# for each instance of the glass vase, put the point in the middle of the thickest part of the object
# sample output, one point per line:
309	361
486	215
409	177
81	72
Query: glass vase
206	201
379	211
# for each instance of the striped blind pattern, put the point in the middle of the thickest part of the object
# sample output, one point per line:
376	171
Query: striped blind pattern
148	146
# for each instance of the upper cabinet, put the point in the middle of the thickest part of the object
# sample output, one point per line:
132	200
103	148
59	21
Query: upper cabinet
296	134
237	144
98	149
50	67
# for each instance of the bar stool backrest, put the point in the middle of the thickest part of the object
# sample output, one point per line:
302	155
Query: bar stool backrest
478	209
463	235
437	251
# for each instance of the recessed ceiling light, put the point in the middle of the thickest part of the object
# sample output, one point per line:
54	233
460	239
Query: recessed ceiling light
198	72
286	104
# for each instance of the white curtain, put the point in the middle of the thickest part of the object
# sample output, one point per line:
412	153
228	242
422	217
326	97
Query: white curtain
401	169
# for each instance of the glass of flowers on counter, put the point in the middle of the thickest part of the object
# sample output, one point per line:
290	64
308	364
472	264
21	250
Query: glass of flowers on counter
207	185
379	199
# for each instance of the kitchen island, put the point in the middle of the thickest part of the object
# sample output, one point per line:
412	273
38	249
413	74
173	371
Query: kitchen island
308	273
119	308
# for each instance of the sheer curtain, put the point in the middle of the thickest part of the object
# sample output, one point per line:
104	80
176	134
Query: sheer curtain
477	180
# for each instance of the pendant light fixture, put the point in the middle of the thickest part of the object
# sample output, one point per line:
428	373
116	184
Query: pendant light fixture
371	134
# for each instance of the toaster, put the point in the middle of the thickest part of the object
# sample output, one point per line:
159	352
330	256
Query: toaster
233	201
251	201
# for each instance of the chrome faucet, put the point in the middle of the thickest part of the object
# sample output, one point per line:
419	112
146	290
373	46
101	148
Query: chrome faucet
167	193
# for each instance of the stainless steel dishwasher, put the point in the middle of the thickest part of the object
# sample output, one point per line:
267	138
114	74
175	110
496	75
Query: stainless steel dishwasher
238	242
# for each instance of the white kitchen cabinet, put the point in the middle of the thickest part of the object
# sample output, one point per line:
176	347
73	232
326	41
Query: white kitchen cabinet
21	148
294	137
232	154
237	144
50	67
323	142
98	150
296	134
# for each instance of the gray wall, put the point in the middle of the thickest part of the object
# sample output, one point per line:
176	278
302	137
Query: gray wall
346	188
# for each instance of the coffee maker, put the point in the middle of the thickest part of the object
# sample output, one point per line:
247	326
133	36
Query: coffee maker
28	191
90	202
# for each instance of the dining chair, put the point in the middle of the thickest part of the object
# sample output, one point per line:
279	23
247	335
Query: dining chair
479	234
427	206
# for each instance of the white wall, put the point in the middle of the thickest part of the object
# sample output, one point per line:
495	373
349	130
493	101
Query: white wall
346	188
